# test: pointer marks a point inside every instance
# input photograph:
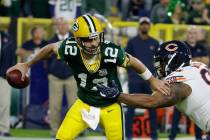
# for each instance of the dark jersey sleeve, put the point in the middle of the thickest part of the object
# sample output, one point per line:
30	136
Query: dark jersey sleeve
115	53
68	49
121	56
61	50
203	51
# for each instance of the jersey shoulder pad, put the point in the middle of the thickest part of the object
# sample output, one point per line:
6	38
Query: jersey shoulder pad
113	53
68	47
176	77
110	44
70	41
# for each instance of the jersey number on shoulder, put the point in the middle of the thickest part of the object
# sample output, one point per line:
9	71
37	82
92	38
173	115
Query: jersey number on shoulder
110	52
83	82
205	74
70	50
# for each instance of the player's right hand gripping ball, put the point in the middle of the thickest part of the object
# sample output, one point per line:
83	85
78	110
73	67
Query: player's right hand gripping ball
109	92
14	79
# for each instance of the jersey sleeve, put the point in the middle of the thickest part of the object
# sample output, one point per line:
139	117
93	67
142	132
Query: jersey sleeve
113	54
61	50
122	57
177	77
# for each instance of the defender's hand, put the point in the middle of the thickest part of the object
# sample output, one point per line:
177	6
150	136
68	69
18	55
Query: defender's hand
109	92
160	85
22	67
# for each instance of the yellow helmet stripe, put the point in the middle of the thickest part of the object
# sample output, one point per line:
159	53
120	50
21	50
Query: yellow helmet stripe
90	23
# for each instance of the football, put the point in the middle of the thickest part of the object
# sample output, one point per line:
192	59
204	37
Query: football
14	79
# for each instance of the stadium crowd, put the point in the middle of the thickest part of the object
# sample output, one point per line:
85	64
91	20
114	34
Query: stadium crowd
160	11
49	82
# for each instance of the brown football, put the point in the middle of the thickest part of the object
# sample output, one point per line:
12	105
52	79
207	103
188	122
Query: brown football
14	79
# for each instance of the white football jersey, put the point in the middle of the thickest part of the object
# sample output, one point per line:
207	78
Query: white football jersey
197	105
64	8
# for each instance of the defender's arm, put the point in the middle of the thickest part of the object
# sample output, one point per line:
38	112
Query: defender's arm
178	91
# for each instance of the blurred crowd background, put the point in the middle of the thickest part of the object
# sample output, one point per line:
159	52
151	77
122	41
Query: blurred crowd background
161	11
139	26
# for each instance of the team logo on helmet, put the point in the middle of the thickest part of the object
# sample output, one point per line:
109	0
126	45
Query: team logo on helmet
76	26
171	56
171	47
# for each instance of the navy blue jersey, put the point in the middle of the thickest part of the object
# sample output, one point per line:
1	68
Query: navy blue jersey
143	50
198	50
7	53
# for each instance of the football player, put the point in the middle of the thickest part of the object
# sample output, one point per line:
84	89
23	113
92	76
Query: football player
189	85
93	61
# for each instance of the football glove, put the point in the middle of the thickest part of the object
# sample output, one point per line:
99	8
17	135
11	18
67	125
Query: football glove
109	92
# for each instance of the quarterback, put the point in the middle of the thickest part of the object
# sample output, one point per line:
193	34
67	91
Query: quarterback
189	85
93	61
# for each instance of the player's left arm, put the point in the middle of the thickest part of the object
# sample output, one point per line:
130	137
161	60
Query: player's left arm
178	91
143	71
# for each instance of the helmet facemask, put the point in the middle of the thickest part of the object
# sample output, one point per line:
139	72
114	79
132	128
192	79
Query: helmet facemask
167	64
159	65
171	56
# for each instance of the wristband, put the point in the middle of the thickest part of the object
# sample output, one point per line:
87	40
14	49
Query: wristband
146	75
